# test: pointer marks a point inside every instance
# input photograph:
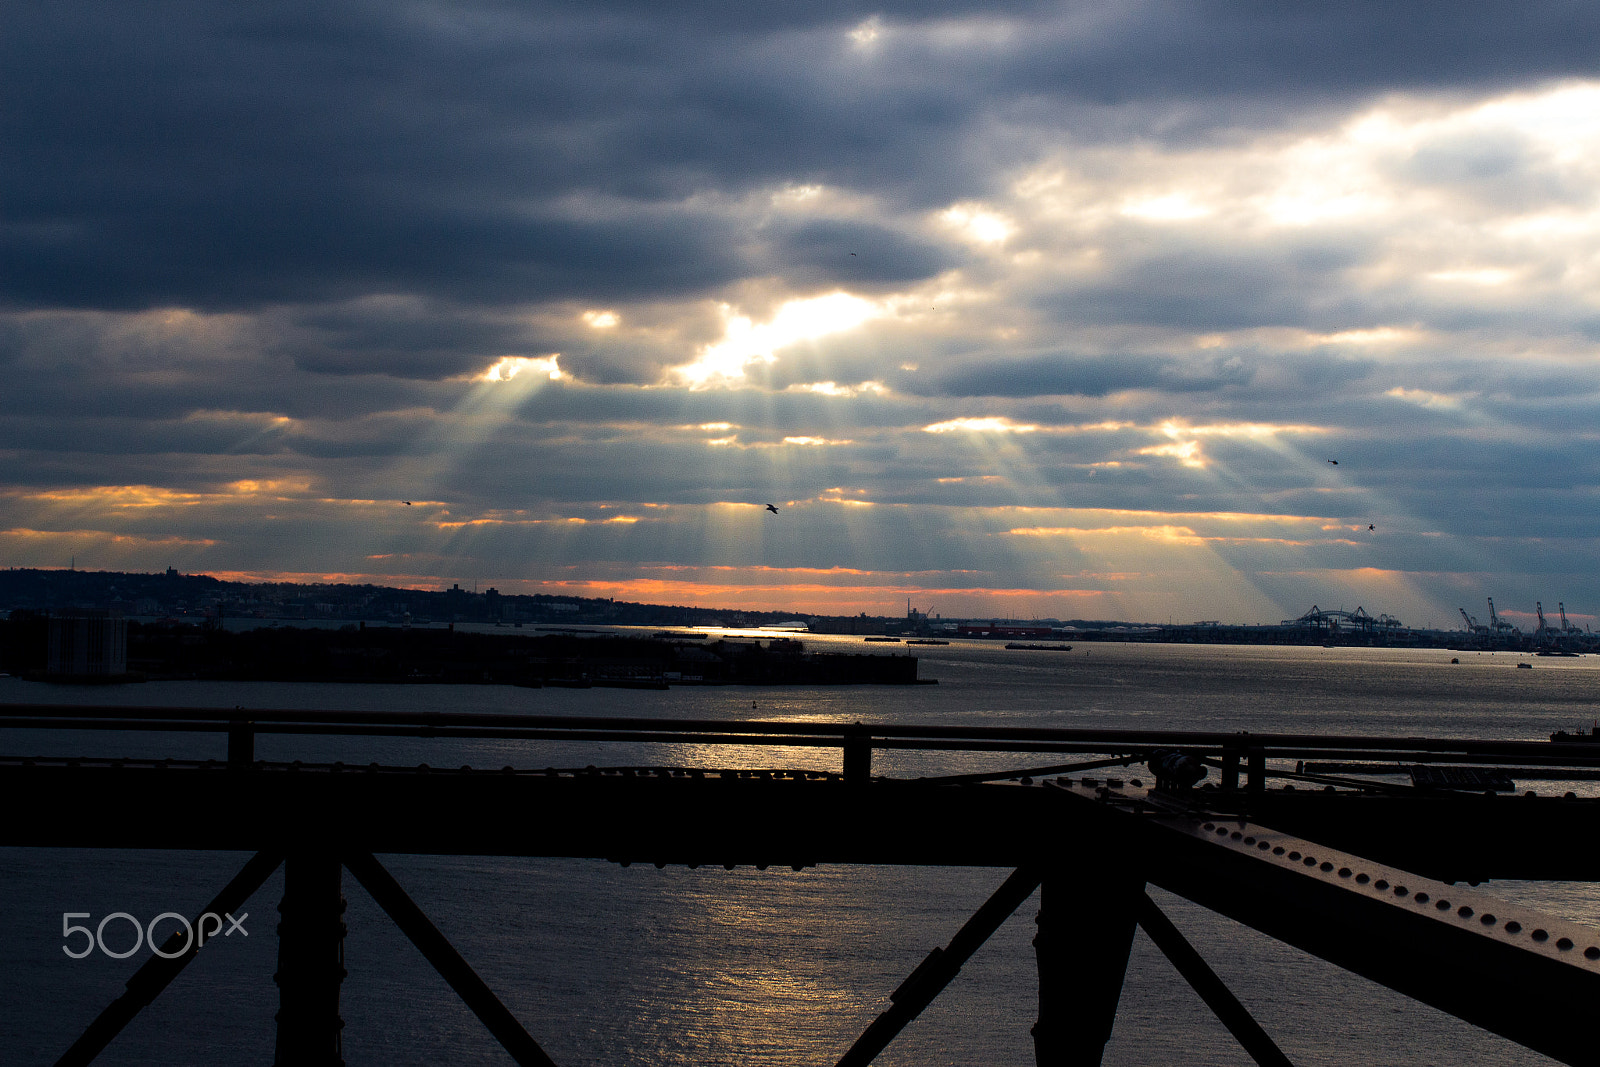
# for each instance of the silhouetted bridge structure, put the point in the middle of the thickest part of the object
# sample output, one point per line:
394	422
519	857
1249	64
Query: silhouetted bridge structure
1362	872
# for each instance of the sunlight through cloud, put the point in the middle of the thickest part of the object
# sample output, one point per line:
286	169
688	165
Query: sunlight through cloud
745	342
508	367
986	424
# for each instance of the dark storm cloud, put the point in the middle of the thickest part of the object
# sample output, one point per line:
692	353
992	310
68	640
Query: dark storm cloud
1193	287
860	254
210	156
1069	373
410	339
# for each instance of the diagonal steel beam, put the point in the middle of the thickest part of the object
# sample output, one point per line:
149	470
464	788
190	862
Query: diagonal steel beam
941	965
1507	968
445	959
1218	997
156	973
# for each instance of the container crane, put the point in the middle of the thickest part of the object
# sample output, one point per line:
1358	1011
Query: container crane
1473	625
1497	625
1545	633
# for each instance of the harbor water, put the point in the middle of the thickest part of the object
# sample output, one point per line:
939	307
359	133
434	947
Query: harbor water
639	966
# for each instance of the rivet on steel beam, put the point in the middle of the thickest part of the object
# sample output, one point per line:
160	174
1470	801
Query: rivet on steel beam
1591	953
1443	905
1422	898
1263	845
1401	891
1326	866
1564	944
1363	878
1209	826
1310	861
1380	884
1278	851
1249	840
1488	918
1294	855
1540	935
1513	927
1345	872
1464	911
1236	835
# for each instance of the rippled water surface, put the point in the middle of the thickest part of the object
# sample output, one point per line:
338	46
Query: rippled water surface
610	965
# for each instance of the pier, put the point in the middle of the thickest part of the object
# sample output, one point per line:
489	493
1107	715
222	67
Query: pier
1375	874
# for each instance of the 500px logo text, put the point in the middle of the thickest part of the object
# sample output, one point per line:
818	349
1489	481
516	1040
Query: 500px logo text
195	934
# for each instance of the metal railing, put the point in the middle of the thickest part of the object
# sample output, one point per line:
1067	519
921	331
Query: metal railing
858	740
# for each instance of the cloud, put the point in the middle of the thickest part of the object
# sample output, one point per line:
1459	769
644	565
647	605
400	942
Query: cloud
1167	259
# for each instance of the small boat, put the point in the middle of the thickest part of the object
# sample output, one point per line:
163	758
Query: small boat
926	641
891	640
1590	736
1039	648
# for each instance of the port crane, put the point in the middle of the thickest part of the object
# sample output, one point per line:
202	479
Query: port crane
1473	625
1567	627
1497	625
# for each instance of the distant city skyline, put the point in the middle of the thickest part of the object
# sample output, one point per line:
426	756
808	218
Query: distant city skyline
1076	310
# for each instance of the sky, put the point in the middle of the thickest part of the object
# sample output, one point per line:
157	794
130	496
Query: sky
1150	311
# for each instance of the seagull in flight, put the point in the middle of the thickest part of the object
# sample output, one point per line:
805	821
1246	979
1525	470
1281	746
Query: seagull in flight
772	508
1334	462
407	503
1371	527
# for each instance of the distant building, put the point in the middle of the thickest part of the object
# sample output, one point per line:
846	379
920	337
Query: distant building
996	630
88	644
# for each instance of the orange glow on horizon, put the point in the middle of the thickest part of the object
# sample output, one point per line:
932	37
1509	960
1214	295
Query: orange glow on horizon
800	598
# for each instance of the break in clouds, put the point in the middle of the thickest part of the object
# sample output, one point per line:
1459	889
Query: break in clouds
1054	309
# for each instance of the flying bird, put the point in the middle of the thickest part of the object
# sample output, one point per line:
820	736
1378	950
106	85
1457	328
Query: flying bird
407	503
1371	527
852	253
1334	462
772	508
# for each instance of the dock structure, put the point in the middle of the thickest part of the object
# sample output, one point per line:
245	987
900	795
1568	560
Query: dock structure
1365	872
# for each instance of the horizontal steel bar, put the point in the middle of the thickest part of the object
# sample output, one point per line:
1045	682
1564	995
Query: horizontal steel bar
880	732
743	732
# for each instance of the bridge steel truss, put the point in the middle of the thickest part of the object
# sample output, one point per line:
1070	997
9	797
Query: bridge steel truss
1358	872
